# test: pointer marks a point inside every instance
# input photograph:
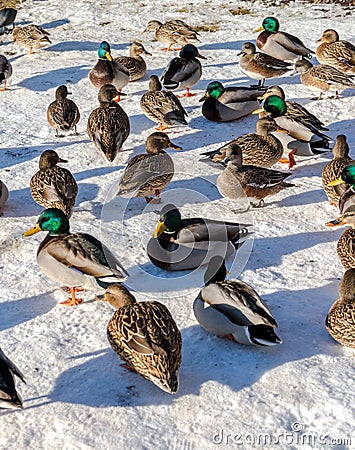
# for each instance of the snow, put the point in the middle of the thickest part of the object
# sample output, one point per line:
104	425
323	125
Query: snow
77	395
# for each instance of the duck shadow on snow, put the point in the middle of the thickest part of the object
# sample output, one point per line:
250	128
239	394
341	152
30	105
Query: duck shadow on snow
70	46
55	23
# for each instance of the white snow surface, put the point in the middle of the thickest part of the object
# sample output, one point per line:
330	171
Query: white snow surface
300	394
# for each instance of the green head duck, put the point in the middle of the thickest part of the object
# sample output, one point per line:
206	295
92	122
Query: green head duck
215	89
104	51
347	176
275	106
169	222
270	24
190	51
52	220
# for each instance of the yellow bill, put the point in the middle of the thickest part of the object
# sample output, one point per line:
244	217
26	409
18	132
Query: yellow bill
34	230
108	56
258	29
159	229
336	182
259	110
262	97
281	130
205	97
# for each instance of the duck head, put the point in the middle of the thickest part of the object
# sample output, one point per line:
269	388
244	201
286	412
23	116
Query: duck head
104	51
216	270
49	159
190	51
118	296
169	222
62	92
248	48
302	66
215	89
273	90
329	36
274	106
52	220
159	141
270	24
347	176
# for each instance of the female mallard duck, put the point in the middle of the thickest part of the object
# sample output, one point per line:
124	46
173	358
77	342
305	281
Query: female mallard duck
146	337
53	186
9	397
323	78
346	243
63	114
5	72
233	309
163	107
31	36
147	174
347	194
77	260
335	53
260	66
7	18
108	125
259	149
340	321
185	244
238	180
134	62
222	104
279	44
108	70
4	194
185	71
172	33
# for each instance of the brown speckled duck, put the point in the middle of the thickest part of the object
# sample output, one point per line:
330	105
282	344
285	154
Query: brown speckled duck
336	53
135	64
63	114
31	36
172	32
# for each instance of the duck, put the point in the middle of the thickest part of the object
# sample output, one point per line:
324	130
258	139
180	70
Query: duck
345	185
238	180
163	107
340	320
302	138
5	72
260	66
31	36
233	309
336	53
346	242
224	104
107	70
135	64
147	174
334	168
279	44
63	114
259	149
323	78
7	18
76	260
185	71
108	125
145	336
4	194
53	186
186	244
9	397
172	32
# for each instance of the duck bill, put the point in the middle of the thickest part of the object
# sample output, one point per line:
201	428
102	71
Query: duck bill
34	230
175	147
108	56
258	111
200	56
159	229
318	40
205	97
259	29
262	97
60	160
281	130
147	53
336	182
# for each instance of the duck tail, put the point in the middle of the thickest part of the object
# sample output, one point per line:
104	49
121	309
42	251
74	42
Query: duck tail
263	335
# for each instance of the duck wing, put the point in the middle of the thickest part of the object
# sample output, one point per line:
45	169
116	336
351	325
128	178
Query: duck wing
291	43
179	70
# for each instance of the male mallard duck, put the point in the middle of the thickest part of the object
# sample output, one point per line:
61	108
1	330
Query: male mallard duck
185	71
146	337
347	194
77	260
323	78
134	62
172	32
5	71
222	104
108	70
259	149
340	321
233	309
335	53
31	36
9	397
53	186
163	107
108	125
4	194
260	66
7	18
147	174
279	44
346	243
185	244
238	180
63	114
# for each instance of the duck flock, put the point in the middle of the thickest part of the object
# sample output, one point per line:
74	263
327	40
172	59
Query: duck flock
144	334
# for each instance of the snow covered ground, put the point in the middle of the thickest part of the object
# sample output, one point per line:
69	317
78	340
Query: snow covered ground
299	395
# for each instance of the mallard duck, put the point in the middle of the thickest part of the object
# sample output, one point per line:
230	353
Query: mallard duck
147	174
107	70
108	125
185	71
222	104
238	180
347	197
340	321
63	114
146	337
4	194
279	44
346	242
185	244
333	170
163	107
9	397
7	18
323	78
5	72
77	260
172	32
259	149
233	309
134	62
31	36
260	66
53	186
336	53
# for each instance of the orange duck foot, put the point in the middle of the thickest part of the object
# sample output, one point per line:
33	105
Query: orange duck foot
188	93
72	301
290	160
161	127
167	49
